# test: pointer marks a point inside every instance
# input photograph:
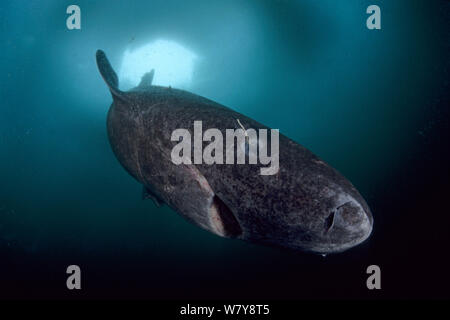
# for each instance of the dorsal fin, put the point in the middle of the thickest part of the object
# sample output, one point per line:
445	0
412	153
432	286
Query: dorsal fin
146	80
109	75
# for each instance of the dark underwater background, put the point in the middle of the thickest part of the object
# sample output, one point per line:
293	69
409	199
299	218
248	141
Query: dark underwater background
372	103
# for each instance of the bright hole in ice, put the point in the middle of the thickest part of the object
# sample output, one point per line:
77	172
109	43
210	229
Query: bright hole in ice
172	62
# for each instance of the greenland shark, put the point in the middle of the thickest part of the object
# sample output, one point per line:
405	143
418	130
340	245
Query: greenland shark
306	205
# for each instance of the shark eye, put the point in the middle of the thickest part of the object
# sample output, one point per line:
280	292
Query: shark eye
250	147
246	146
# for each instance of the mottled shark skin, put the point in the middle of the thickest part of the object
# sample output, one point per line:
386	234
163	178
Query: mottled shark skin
306	206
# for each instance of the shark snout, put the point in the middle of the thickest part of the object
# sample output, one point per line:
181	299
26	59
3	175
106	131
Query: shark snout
348	224
349	215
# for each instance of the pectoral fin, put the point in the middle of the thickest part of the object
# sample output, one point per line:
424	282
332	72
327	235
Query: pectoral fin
148	194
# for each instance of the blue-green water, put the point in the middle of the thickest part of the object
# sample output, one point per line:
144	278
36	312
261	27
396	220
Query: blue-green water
372	103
